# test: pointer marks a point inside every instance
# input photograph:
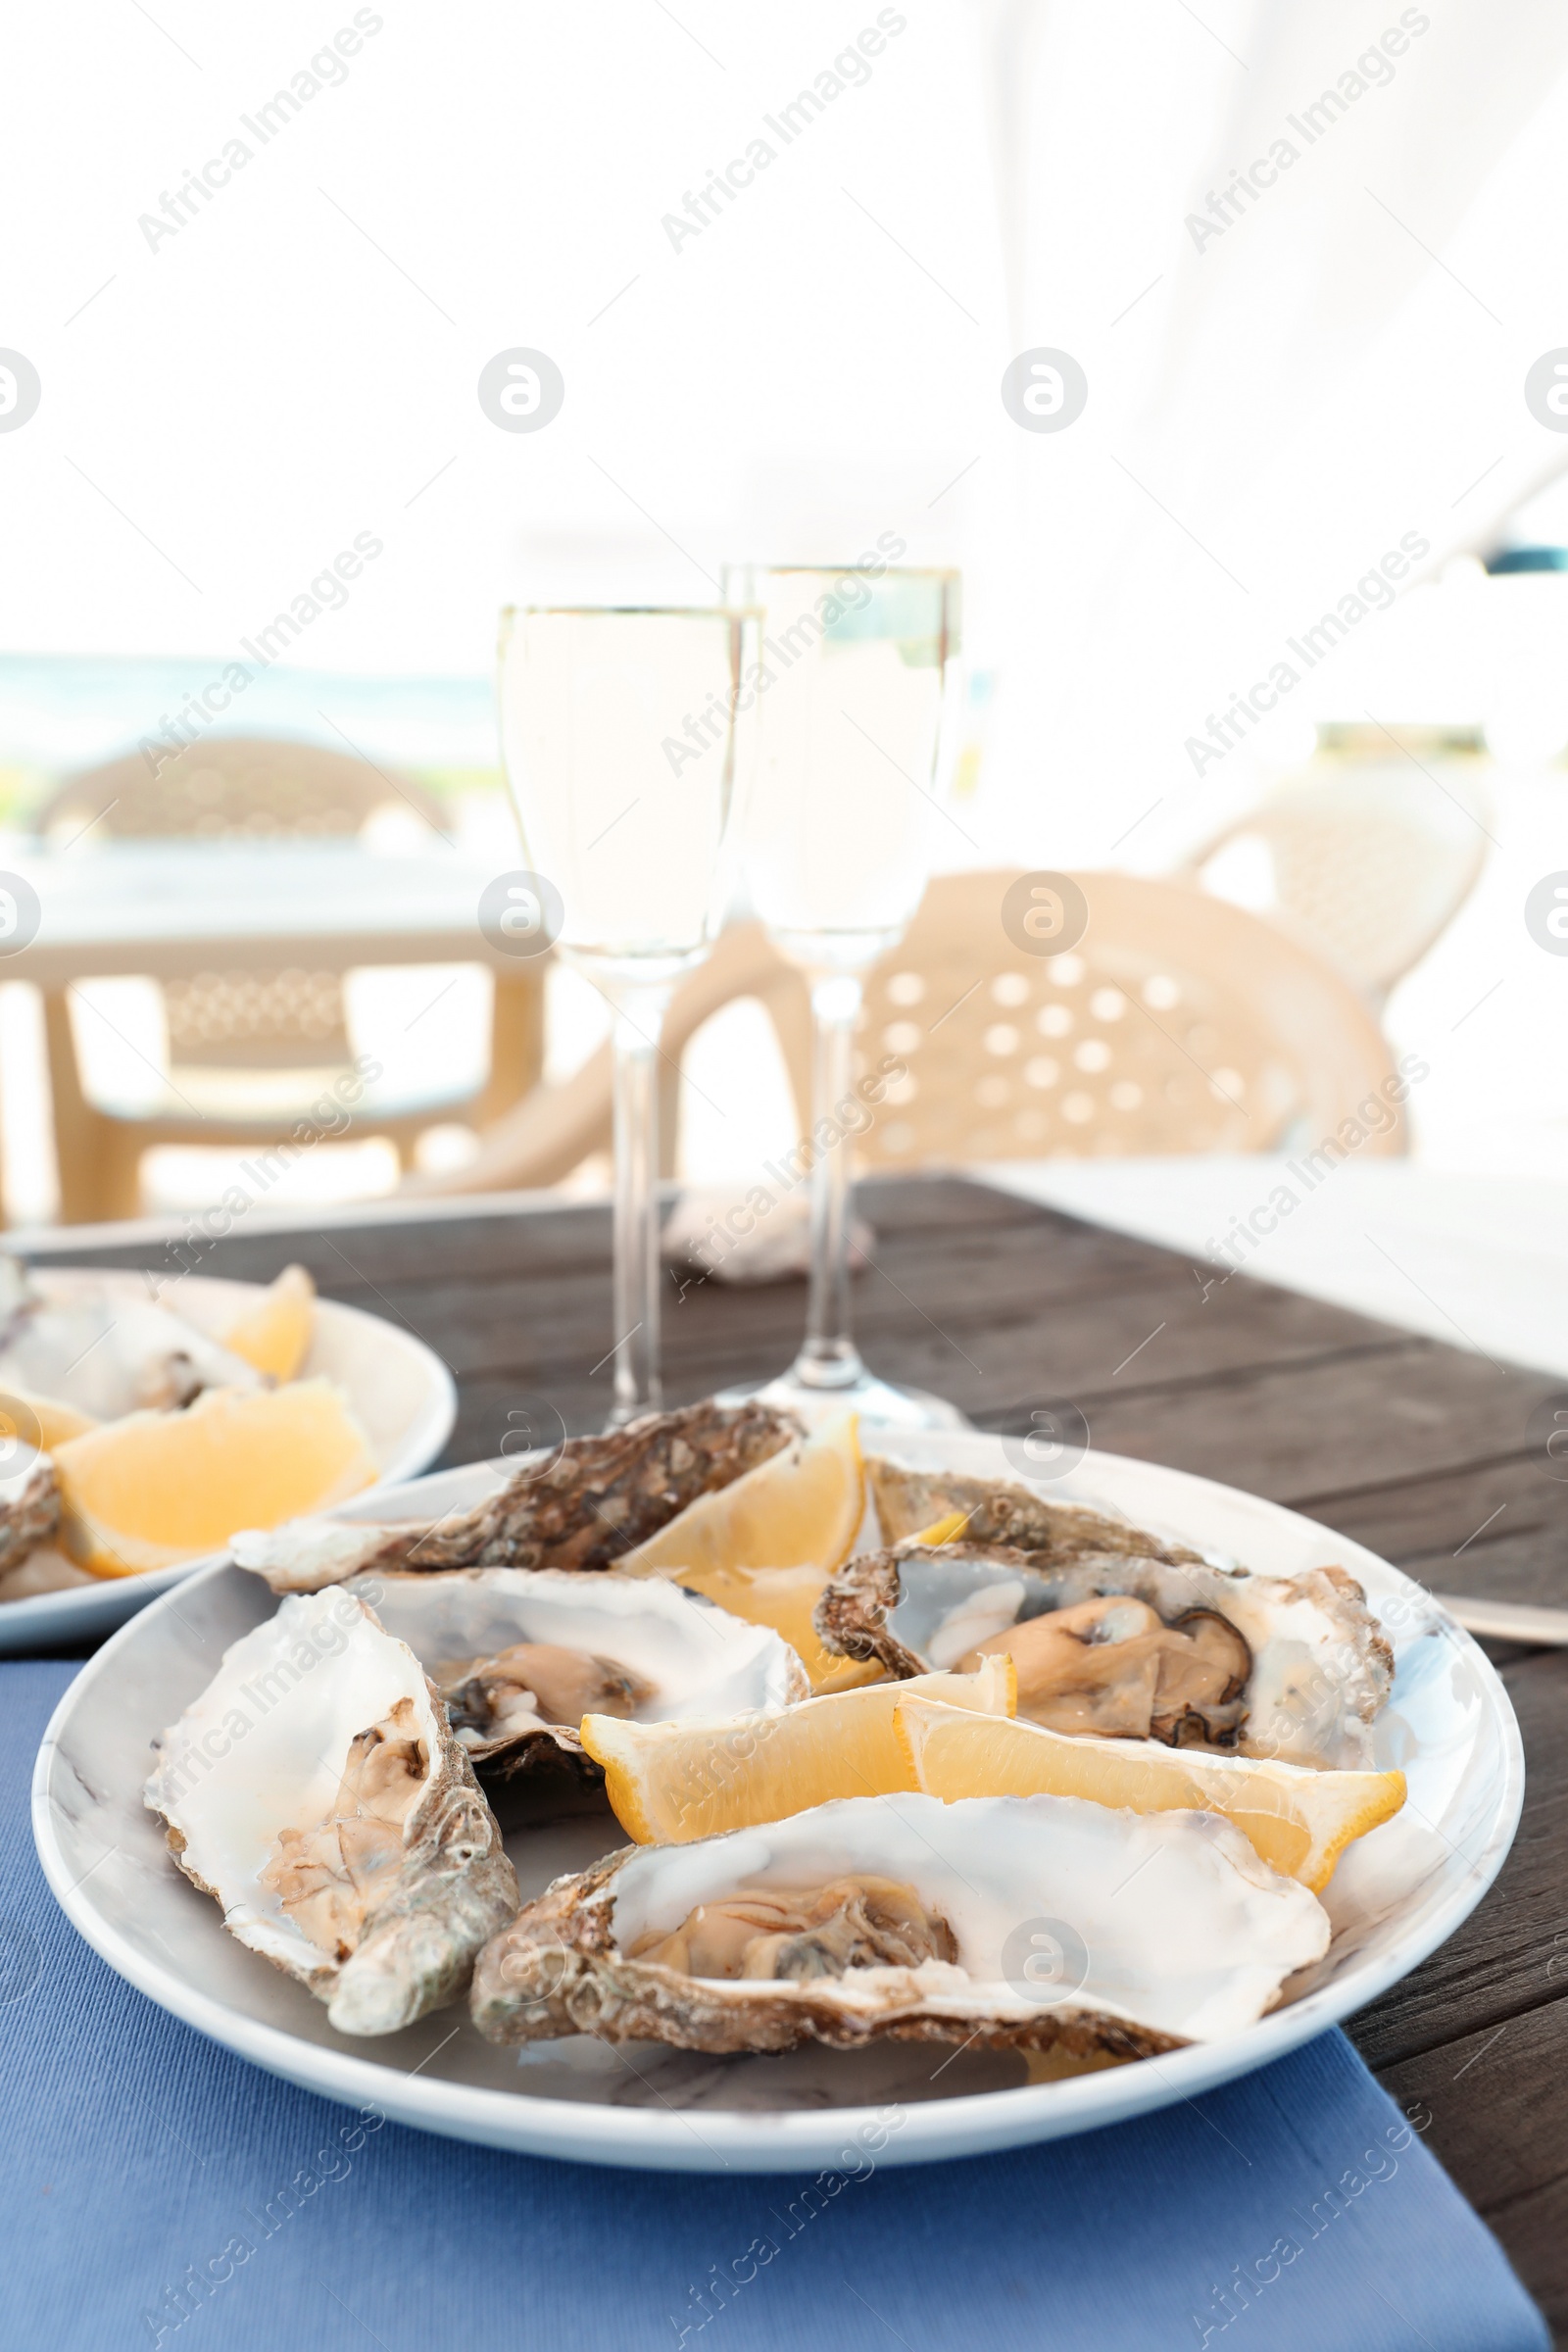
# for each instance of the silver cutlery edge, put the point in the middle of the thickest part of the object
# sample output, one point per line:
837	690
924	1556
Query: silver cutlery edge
1507	1620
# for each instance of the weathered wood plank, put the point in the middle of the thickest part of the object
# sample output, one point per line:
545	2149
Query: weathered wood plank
1303	1436
1462	1516
1526	1567
387	1242
424	1249
1512	1953
1495	2099
1491	2106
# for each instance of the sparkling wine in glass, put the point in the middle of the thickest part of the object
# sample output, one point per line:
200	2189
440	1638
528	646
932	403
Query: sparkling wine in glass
625	753
858	667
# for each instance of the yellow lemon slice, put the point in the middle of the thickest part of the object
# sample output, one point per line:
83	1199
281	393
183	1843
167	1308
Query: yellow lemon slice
1299	1820
156	1488
785	1599
800	1508
41	1421
670	1783
944	1531
765	1547
274	1335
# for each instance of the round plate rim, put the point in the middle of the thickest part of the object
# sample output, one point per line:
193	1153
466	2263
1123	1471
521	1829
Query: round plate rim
77	1612
795	2141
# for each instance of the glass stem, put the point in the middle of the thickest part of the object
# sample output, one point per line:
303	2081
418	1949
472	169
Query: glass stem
638	1280
830	1358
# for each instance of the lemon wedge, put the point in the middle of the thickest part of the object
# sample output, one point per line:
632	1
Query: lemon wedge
1300	1821
154	1489
670	1783
945	1530
800	1508
765	1547
274	1335
41	1421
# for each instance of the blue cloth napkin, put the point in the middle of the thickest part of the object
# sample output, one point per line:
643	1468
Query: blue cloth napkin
144	2171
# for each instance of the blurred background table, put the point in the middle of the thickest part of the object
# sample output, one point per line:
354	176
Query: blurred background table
1414	1447
1480	1260
248	944
173	906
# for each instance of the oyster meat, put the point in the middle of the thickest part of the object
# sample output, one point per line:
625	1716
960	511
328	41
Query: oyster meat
993	1919
787	1934
521	1655
107	1354
597	1499
533	1683
316	1792
1123	1646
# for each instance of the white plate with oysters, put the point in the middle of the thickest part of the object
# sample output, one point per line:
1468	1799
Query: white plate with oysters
1107	1791
111	1378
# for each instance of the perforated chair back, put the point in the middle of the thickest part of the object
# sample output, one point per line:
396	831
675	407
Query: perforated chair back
233	788
1372	863
1176	1024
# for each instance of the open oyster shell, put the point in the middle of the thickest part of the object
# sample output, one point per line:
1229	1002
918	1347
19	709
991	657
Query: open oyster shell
1031	1894
599	1498
316	1792
677	1656
107	1355
996	1511
29	1509
1305	1678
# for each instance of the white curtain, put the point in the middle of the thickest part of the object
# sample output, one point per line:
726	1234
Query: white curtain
1271	408
1281	393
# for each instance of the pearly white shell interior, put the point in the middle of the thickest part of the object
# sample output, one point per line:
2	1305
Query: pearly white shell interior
264	1747
699	1658
1169	1919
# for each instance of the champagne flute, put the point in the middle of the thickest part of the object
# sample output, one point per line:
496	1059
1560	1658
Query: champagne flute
620	733
858	667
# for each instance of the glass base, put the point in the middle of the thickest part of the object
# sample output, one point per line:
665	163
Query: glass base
621	1416
872	1398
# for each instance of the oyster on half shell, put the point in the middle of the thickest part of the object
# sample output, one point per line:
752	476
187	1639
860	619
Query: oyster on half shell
996	1511
600	1498
107	1354
520	1655
1123	1647
993	1919
316	1792
30	1507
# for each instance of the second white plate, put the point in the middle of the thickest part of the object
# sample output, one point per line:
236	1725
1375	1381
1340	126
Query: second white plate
401	1391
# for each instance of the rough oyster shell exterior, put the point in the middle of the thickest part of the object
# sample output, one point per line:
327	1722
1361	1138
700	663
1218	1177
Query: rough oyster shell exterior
263	1750
29	1511
599	1498
996	1511
1201	1951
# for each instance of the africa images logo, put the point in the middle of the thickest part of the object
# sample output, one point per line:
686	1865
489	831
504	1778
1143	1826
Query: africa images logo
19	390
1547	913
521	913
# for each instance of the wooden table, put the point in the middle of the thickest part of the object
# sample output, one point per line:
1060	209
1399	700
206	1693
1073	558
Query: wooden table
1411	1447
